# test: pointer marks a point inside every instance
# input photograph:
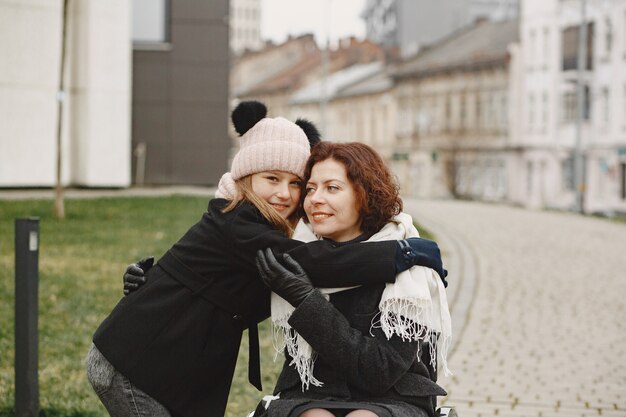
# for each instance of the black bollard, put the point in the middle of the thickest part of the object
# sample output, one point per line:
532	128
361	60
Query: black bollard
26	321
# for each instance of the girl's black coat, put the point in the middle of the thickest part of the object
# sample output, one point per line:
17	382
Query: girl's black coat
170	341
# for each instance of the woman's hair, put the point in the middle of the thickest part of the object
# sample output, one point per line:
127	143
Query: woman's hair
246	193
377	193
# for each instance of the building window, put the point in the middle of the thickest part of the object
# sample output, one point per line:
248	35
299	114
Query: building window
605	106
569	111
546	47
567	174
624	34
531	110
479	109
533	48
529	177
608	36
463	112
570	47
624	106
545	111
623	180
151	22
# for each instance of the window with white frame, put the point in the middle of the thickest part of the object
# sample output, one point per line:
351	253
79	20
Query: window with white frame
463	112
545	109
608	36
491	111
150	22
479	110
504	111
531	111
605	98
569	105
546	47
529	177
404	118
567	174
623	180
533	48
624	106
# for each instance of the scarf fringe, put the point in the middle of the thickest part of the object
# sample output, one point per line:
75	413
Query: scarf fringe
412	321
302	354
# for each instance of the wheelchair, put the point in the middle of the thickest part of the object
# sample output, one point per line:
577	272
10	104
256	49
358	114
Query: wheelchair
265	402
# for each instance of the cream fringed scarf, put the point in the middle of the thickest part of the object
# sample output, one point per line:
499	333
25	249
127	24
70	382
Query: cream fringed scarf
414	307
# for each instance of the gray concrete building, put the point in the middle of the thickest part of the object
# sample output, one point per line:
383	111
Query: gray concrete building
180	91
411	24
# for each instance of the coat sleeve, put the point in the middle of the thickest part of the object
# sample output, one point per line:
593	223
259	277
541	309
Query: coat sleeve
370	364
327	265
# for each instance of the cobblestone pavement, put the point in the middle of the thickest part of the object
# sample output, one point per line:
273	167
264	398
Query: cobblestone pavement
538	303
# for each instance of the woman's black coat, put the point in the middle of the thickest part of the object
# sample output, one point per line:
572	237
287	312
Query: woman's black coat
352	363
178	336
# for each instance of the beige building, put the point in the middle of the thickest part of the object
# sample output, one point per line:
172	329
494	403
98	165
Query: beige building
455	105
278	75
245	25
353	104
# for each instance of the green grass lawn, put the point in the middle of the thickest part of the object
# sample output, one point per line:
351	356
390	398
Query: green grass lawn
81	262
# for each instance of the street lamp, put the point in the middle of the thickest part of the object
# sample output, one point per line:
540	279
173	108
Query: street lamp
579	179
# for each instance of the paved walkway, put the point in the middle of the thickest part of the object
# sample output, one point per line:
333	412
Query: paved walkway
538	303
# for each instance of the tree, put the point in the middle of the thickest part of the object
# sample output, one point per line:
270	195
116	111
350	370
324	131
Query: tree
59	204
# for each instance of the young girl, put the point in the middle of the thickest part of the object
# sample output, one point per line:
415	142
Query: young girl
170	347
367	351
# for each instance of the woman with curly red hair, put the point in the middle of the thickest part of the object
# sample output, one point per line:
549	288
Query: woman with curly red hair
366	351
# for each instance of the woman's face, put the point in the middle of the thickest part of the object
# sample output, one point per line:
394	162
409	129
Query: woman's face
280	189
330	202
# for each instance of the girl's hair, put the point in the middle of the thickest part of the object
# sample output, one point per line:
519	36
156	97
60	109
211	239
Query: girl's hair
377	193
246	193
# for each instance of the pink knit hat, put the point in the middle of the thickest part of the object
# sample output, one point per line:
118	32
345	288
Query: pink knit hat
270	144
267	144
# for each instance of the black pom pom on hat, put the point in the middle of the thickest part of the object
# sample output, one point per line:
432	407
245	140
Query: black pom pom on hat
247	114
310	131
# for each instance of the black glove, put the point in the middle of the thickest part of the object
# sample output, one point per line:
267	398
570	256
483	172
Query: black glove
423	252
287	279
134	276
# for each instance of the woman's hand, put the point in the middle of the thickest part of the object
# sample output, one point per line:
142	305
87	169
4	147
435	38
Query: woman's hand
134	276
417	251
287	279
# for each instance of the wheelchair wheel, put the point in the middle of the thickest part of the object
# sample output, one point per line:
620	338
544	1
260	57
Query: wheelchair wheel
447	412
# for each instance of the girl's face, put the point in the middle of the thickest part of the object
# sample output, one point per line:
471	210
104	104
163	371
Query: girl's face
280	189
330	202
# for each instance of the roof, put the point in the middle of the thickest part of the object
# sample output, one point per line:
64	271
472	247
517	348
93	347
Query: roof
377	83
335	82
484	42
287	78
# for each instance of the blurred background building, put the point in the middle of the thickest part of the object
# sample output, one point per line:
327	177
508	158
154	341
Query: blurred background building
97	98
180	91
245	25
145	97
467	99
411	24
